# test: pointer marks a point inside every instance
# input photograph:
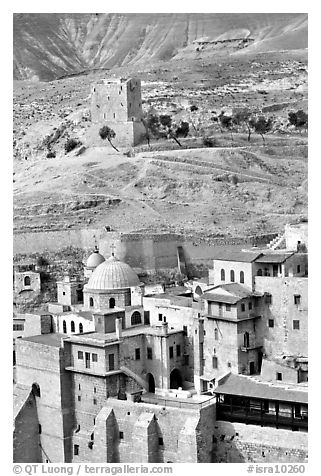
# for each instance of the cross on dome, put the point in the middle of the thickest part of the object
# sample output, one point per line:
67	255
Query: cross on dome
112	247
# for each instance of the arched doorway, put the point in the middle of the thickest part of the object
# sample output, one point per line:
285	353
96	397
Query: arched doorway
151	383
175	379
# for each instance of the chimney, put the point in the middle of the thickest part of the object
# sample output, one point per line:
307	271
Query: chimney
165	328
118	327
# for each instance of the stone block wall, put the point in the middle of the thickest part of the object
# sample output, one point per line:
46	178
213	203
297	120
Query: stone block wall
240	443
26	438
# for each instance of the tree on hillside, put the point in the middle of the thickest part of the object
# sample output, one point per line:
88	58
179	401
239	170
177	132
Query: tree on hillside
182	129
107	133
226	122
299	119
261	125
243	117
163	127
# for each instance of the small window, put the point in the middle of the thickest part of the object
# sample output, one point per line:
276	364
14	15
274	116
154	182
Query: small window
63	293
228	307
111	362
186	359
112	303
242	277
160	317
171	352
160	441
222	274
278	376
80	355
94	401
250	306
81	328
178	350
79	398
232	276
259	272
64	326
136	318
79	386
72	326
297	299
95	390
216	334
298	269
214	362
27	281
121	435
268	298
246	339
149	353
242	307
137	354
91	302
271	322
94	357
76	450
185	330
296	324
39	429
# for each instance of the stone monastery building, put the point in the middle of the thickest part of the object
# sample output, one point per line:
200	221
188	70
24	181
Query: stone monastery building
186	375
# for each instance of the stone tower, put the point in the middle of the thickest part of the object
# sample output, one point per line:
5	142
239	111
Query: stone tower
117	103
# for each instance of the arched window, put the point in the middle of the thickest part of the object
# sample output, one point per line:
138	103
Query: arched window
246	339
81	328
112	303
222	275
27	281
72	326
136	318
259	272
64	326
232	275
91	302
215	334
198	291
35	390
242	277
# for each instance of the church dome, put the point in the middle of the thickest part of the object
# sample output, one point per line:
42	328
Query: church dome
95	259
113	274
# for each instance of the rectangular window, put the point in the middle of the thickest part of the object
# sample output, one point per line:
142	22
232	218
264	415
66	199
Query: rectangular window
95	390
268	298
146	318
185	330
271	322
278	376
215	362
76	450
228	307
242	307
39	429
95	357
297	299
149	353
137	354
18	327
87	360
121	435
298	269
160	317
186	359
111	362
94	401
80	355
160	441
178	350
171	352
250	306
79	398
296	324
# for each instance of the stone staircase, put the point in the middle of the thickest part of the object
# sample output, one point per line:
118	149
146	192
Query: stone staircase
277	243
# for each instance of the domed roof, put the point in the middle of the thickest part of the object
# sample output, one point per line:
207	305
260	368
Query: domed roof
95	259
113	274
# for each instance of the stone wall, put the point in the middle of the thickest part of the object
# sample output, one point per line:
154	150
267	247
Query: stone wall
240	443
26	436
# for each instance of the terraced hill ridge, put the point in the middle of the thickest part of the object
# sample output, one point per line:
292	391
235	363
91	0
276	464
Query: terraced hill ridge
47	46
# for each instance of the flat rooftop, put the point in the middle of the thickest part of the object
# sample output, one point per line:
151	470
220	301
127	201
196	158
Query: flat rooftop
52	340
241	385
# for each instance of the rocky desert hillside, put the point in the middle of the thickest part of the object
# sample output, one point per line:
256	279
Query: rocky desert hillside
192	67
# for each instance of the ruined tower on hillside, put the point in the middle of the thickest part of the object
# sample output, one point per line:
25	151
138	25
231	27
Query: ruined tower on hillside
117	103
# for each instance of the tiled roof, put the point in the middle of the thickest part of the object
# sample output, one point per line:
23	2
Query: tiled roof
234	255
274	258
248	387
